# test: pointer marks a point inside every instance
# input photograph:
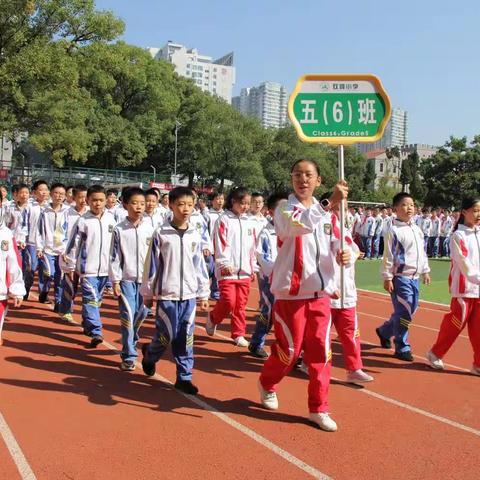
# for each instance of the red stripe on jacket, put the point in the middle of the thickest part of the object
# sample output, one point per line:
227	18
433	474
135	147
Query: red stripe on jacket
297	267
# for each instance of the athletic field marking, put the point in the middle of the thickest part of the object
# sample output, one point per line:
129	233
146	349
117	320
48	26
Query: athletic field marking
406	406
312	471
421	301
26	473
411	324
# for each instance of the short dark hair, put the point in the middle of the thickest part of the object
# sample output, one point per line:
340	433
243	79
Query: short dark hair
79	188
216	194
55	185
152	191
308	160
274	198
399	197
236	195
257	194
38	183
111	191
19	186
179	192
95	189
130	193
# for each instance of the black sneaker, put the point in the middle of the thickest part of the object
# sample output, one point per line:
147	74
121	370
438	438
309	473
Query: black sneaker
257	351
186	386
405	356
384	342
148	368
25	297
43	298
96	340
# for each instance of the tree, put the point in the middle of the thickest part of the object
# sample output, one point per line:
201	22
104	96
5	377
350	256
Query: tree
406	173
368	180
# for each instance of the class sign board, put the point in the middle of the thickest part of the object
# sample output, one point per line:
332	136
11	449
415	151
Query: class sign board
339	109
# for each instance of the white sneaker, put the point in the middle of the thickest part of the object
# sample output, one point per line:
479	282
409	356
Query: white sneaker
435	362
358	376
475	370
268	399
241	342
210	327
324	421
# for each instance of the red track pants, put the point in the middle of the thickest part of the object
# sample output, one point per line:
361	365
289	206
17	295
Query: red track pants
233	300
346	324
301	324
463	311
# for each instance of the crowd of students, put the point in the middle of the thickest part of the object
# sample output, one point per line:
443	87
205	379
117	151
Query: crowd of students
369	226
174	251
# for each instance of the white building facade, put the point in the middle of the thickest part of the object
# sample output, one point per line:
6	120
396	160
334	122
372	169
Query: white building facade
267	102
214	76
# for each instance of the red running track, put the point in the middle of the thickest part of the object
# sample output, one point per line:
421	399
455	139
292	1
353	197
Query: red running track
74	415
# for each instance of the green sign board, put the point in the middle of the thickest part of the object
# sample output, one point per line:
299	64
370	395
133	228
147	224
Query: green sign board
339	109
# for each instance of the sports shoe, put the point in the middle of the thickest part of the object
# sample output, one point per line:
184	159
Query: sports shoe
384	342
241	342
435	362
43	298
148	368
303	367
186	386
210	327
126	366
358	376
475	370
268	399
405	356
67	317
324	421
108	291
257	351
96	340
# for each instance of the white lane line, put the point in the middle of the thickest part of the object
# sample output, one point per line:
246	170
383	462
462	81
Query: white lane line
312	471
413	324
406	406
422	302
26	473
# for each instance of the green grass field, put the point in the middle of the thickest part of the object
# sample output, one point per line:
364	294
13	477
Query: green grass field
368	277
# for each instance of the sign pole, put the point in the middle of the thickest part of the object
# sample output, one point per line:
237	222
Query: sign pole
341	177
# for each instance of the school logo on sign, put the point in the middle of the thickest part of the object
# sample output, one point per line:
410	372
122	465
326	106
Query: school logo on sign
4	245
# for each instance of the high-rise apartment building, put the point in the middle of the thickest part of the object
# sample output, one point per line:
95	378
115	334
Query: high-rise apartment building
395	135
214	76
267	102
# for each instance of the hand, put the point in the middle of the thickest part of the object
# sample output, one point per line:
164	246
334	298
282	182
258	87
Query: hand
226	271
17	302
426	279
39	254
335	295
253	277
361	255
204	305
21	245
388	286
206	252
71	275
340	192
343	257
117	291
148	302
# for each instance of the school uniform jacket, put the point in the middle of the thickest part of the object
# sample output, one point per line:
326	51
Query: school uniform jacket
34	212
198	222
88	250
435	228
16	219
266	251
307	247
368	227
52	231
447	226
11	278
426	226
464	278
175	268
213	215
404	253
157	218
234	243
129	250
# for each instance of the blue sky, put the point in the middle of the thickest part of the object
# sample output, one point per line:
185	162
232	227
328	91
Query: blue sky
424	51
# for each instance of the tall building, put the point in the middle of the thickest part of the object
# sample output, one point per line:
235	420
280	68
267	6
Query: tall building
214	76
267	102
395	135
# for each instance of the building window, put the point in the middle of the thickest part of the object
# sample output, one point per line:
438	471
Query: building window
381	168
